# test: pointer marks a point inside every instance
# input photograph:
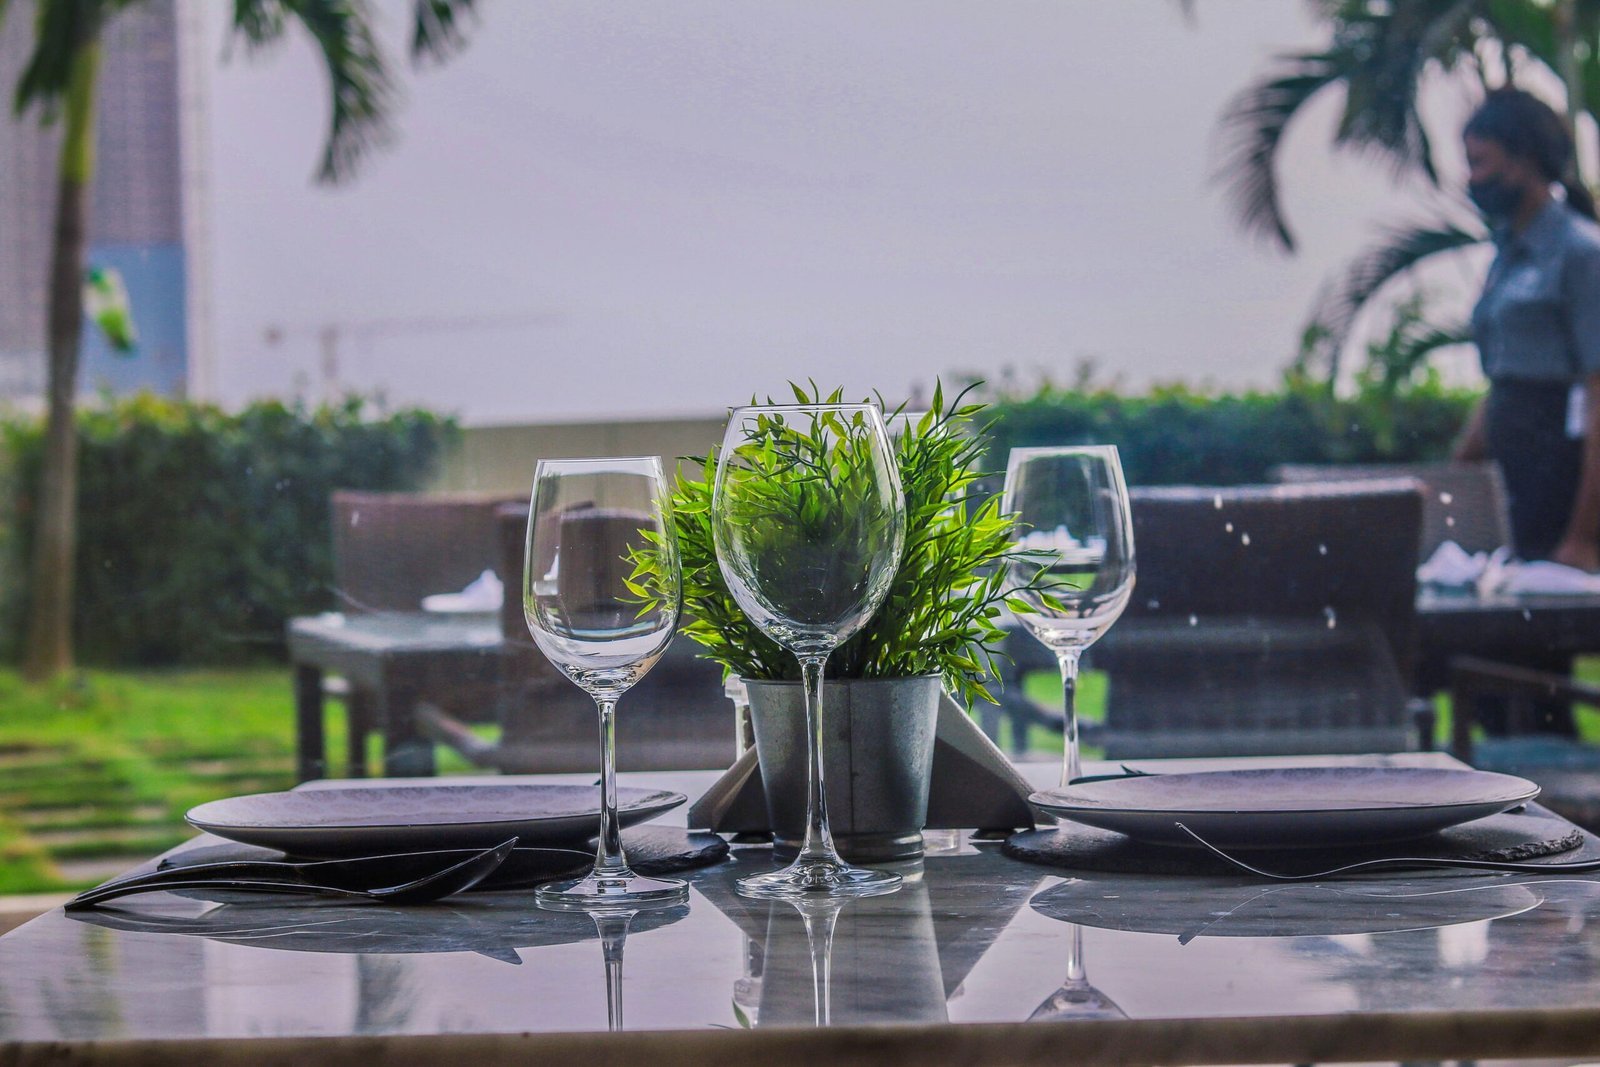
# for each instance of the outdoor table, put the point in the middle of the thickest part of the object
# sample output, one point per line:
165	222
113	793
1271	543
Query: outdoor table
1506	627
947	970
389	660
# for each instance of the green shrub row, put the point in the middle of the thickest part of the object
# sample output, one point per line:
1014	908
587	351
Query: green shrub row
1175	435
200	532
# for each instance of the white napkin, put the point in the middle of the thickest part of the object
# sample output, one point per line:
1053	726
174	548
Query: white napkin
1451	564
1542	576
483	594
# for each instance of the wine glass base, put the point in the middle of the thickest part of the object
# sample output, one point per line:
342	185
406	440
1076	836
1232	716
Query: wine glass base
594	893
812	878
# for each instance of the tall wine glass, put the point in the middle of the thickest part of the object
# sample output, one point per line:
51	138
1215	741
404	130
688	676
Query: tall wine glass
580	598
809	523
1074	571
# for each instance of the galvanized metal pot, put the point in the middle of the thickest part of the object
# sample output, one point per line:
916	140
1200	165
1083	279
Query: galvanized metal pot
877	758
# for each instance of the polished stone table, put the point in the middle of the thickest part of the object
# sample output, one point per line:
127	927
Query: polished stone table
948	971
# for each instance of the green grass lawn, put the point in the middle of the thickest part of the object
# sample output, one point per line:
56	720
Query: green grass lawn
103	765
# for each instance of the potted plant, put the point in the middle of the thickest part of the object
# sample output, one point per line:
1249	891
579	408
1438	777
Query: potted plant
937	629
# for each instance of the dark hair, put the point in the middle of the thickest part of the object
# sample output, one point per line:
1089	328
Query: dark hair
1530	129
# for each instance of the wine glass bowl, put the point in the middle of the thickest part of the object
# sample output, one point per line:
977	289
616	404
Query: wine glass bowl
1071	573
592	618
809	523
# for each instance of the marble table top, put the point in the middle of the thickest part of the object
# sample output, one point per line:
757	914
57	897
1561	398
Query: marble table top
979	958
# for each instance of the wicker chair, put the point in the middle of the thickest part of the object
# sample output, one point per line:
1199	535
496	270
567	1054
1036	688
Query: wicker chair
389	551
392	549
1461	502
1266	620
675	718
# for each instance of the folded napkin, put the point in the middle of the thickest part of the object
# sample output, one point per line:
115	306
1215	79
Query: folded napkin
1451	564
483	594
972	785
1542	576
1497	572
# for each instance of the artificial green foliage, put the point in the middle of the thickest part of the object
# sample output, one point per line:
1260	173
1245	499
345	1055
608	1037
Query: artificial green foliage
1178	435
201	531
939	614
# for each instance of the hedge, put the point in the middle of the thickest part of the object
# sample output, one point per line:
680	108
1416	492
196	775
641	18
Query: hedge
200	532
1175	435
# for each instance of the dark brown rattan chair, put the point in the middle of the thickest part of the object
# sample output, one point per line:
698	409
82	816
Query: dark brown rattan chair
389	551
1266	620
392	549
675	718
1461	502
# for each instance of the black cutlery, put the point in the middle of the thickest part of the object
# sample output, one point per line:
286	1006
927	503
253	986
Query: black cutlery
459	871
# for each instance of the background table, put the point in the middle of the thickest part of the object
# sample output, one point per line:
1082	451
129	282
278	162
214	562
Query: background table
1511	970
1503	627
389	660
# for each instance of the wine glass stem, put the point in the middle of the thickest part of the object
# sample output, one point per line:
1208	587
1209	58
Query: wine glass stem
819	839
613	930
1075	972
820	942
609	861
1071	764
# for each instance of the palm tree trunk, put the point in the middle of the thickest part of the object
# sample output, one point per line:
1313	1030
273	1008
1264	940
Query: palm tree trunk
48	650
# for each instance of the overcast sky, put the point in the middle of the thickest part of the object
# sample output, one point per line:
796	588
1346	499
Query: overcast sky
631	209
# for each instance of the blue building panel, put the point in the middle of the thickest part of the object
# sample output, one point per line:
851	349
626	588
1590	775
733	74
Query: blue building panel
159	362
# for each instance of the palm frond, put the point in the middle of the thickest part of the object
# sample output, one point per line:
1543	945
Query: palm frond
436	28
361	91
1384	53
259	22
61	29
1252	128
1430	339
1401	249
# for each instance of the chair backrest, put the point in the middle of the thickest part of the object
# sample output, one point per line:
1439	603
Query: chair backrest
1266	619
1461	502
675	718
392	549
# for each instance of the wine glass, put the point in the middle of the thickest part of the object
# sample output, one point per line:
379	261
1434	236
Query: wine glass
584	608
1076	998
1073	565
809	523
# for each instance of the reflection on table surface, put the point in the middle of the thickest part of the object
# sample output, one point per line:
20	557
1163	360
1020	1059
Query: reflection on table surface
959	943
974	937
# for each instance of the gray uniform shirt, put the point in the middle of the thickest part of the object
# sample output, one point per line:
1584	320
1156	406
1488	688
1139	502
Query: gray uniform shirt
1539	316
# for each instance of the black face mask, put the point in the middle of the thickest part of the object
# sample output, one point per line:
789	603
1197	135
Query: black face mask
1495	198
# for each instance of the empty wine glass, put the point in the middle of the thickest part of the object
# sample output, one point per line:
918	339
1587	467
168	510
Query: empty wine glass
580	597
1076	998
1073	571
809	523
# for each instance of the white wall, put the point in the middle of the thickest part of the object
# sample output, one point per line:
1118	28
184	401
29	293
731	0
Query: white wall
631	209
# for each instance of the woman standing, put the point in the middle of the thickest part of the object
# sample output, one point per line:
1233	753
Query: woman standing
1537	327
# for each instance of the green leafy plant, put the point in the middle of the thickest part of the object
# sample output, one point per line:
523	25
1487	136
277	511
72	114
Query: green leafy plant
939	614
